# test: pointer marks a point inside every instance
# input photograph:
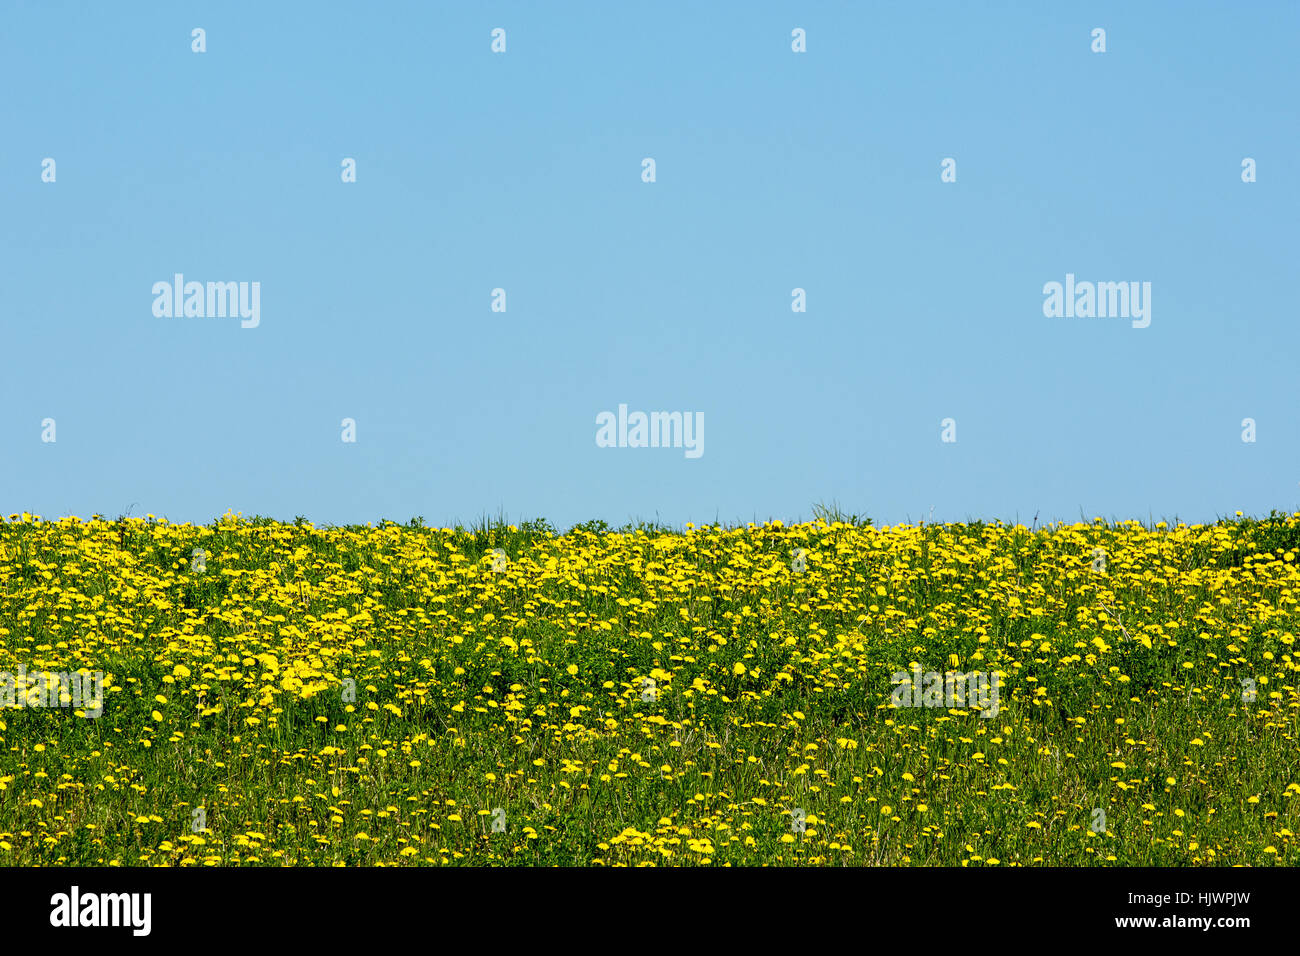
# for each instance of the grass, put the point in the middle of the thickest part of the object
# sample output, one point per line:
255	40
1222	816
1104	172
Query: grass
379	695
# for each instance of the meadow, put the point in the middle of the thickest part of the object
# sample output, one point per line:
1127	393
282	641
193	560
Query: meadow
283	694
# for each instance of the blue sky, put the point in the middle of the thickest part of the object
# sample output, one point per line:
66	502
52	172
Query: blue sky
775	170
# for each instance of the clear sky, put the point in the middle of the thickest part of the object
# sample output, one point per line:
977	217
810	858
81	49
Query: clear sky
774	170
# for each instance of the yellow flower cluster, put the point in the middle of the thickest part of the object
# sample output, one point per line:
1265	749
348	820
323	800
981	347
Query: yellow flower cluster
286	694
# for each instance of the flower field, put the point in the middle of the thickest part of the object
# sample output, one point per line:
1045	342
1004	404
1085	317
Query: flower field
282	694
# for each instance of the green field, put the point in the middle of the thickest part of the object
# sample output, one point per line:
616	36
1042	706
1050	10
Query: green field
405	695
